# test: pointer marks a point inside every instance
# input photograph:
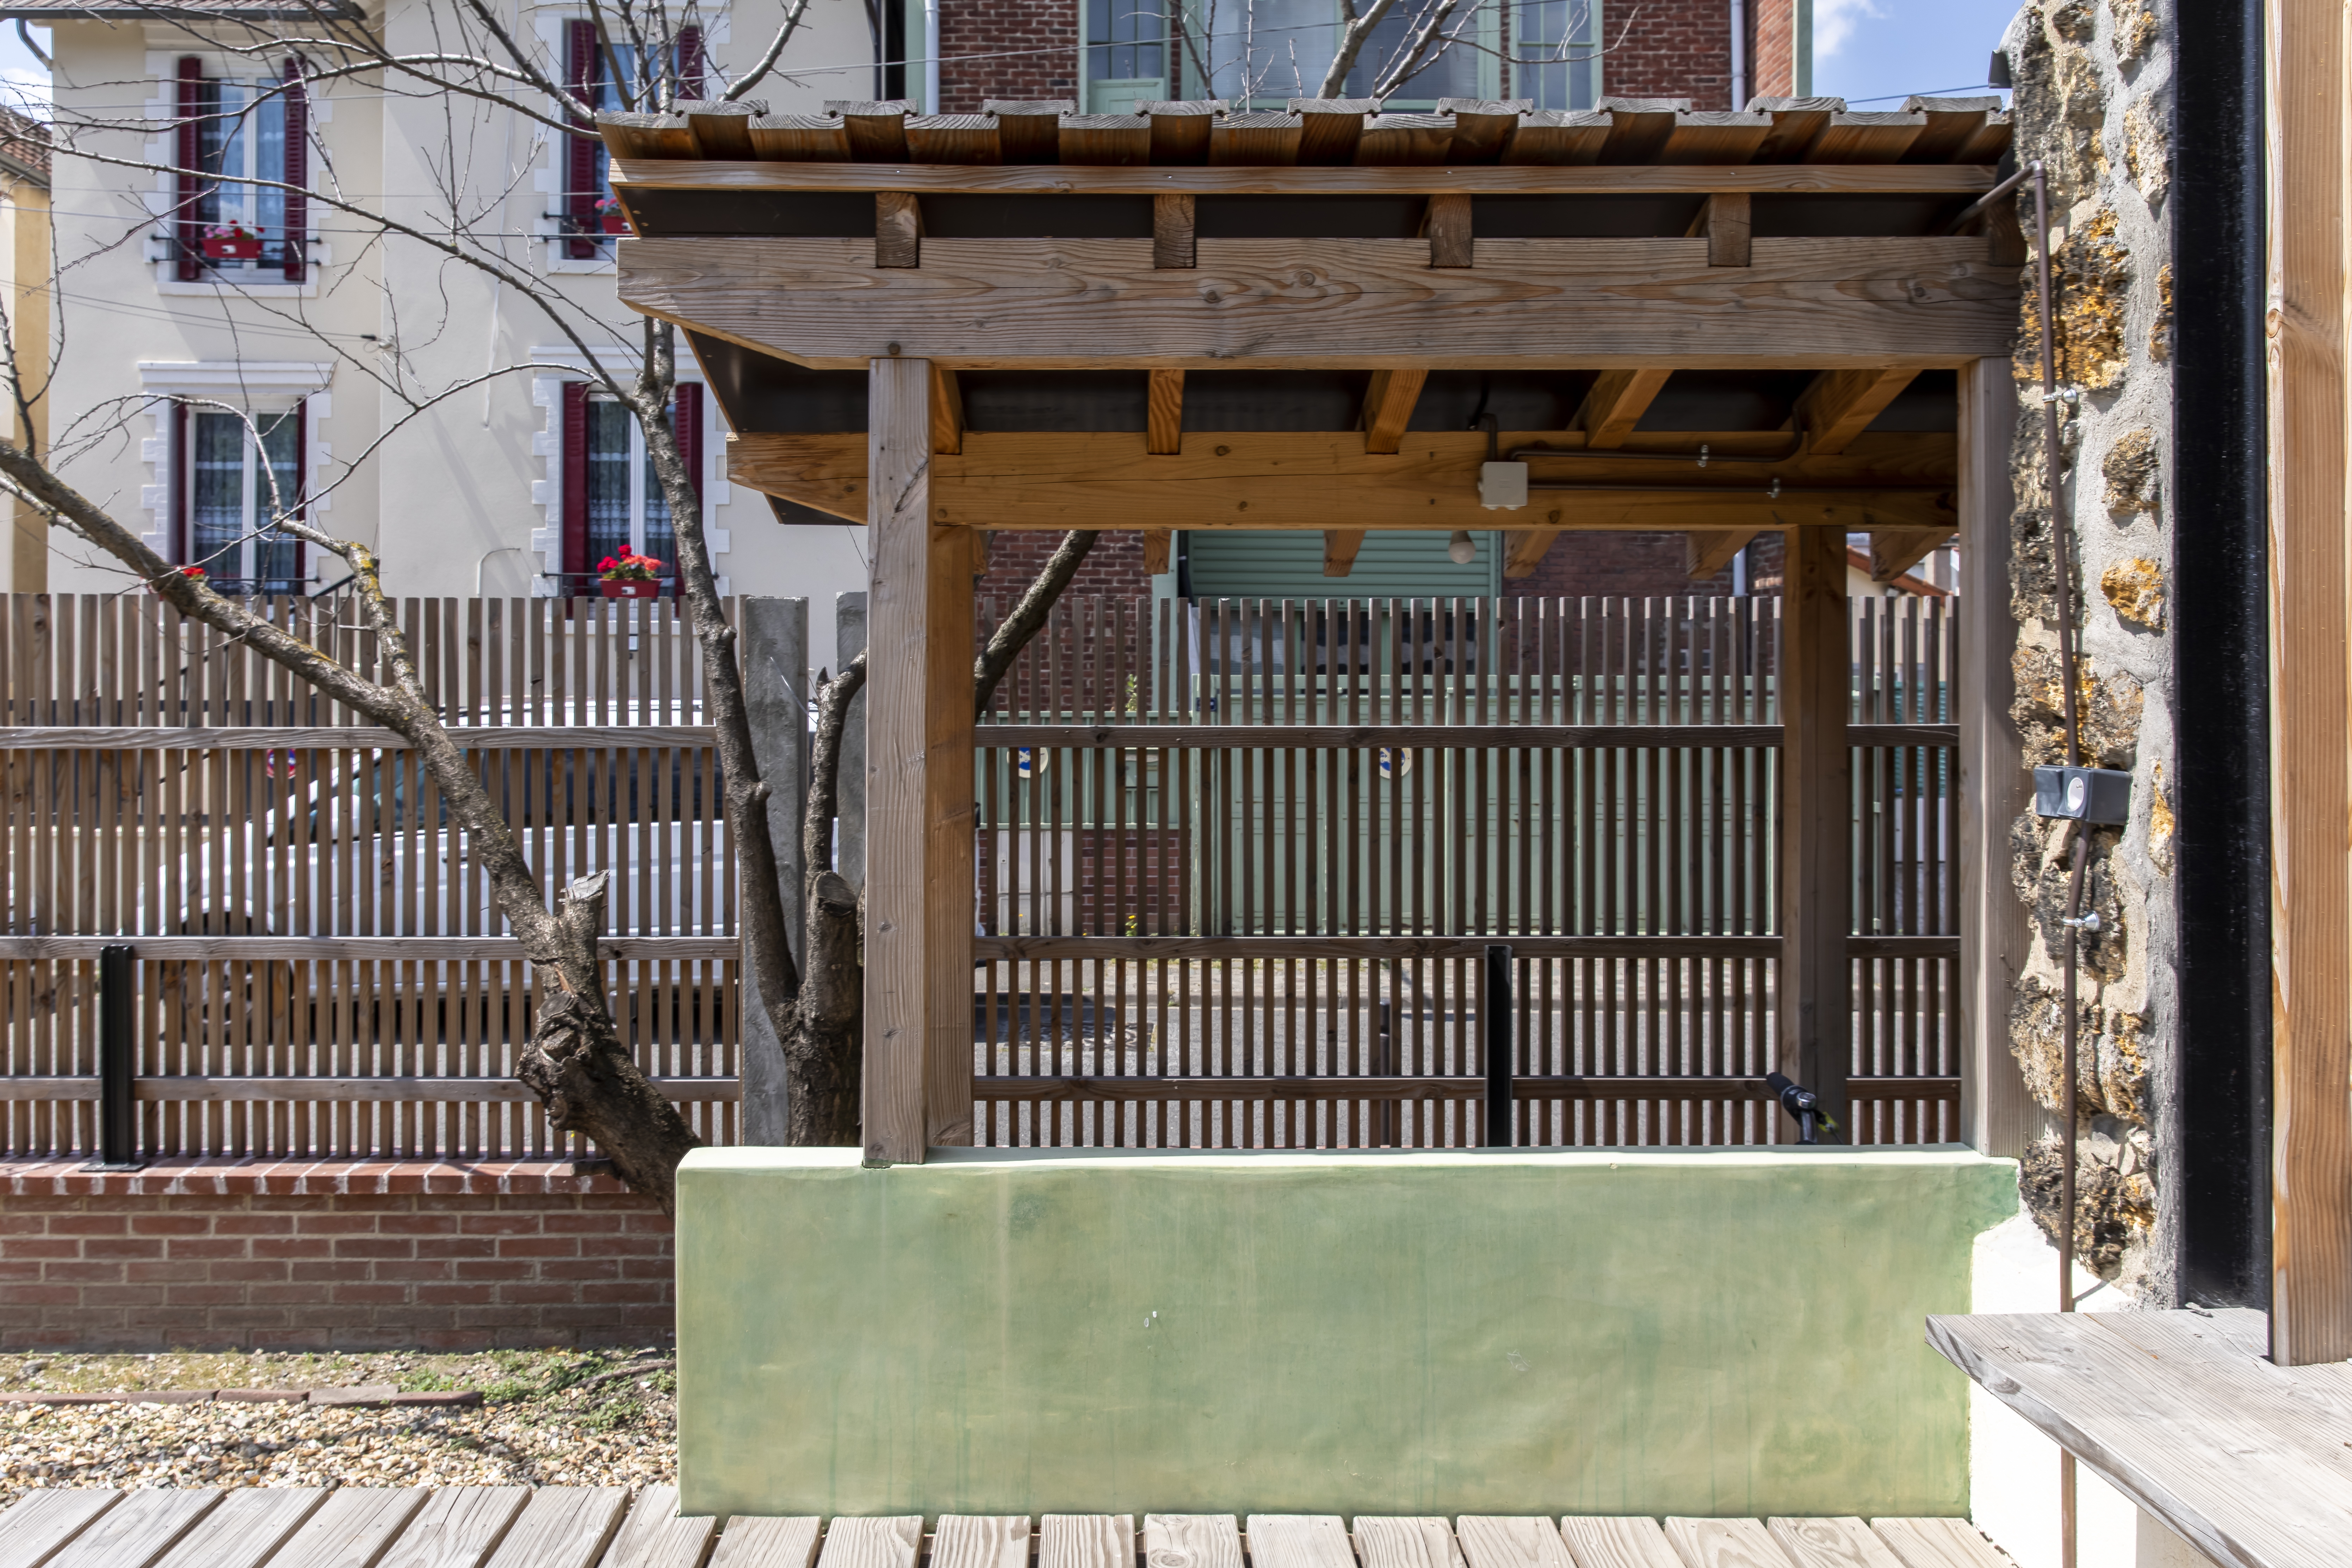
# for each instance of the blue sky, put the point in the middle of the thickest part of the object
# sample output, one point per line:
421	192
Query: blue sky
1892	48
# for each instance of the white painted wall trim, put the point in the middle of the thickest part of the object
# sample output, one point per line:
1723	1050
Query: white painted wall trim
254	385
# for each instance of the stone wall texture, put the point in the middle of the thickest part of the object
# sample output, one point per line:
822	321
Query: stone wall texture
2093	102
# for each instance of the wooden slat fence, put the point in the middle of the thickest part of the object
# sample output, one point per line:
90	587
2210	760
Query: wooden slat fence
322	972
1264	844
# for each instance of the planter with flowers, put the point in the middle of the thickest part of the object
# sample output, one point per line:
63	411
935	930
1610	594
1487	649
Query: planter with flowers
232	242
199	572
609	217
629	575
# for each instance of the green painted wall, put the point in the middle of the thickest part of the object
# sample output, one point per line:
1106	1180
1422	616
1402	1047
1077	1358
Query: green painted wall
1005	1331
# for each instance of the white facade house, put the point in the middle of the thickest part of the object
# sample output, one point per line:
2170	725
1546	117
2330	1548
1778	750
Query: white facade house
222	345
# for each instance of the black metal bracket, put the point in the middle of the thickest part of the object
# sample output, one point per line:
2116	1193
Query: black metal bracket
1495	1044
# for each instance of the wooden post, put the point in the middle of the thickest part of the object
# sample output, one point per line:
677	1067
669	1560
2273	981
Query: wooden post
2311	875
1997	1115
918	876
1816	1035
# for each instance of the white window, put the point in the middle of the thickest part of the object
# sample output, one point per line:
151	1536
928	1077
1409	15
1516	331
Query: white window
626	508
234	490
1262	53
1556	58
1126	54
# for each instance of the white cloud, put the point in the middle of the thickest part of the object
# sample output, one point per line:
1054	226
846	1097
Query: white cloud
1834	21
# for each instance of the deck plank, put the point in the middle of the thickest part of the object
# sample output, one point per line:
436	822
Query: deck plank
1831	1543
249	1525
763	1541
141	1528
351	1527
562	1527
981	1541
1601	1542
889	1542
1299	1541
657	1535
41	1524
1191	1540
458	1527
1491	1541
1086	1540
1938	1543
1406	1541
1725	1543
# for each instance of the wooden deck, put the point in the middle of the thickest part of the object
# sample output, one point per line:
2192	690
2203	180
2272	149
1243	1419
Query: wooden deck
558	1527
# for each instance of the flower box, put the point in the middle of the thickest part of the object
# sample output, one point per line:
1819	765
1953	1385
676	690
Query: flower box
624	588
233	248
615	224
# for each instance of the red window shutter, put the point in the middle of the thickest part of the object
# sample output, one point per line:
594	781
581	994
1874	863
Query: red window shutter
188	230
298	169
176	547
686	419
689	62
575	479
582	73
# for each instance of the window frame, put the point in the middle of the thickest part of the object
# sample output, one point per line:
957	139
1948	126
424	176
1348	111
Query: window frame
577	575
184	261
243	582
583	161
1486	34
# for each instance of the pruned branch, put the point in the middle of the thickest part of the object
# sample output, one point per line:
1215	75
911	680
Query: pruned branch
1029	614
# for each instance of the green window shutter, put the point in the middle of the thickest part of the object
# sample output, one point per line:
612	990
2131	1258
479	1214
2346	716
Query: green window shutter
1231	564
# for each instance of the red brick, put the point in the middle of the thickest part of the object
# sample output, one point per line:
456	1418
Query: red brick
170	1224
205	1247
229	1271
374	1247
89	1225
124	1247
505	1223
82	1273
539	1246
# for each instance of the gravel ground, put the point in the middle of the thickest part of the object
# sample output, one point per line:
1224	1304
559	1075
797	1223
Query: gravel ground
549	1418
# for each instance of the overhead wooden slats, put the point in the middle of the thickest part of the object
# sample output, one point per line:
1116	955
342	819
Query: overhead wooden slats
1423	174
798	139
956	138
1107	141
1330	128
1871	138
1557	139
1640	127
722	130
1715	137
1180	131
1030	130
878	131
1483	128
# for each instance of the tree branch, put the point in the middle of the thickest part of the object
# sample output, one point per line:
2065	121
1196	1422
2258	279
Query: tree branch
1006	645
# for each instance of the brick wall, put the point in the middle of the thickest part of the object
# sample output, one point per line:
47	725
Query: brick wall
1774	74
1634	564
1114	566
250	1255
1006	49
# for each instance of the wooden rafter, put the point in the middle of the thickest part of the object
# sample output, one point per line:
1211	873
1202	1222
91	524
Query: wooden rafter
1388	405
1725	224
1839	405
1634	305
631	175
1164	412
1340	547
1893	553
1281	479
1709	552
1159	546
1528	551
1615	404
947	412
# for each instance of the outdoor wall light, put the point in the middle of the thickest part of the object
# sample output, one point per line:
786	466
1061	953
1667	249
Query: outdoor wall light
1460	549
2097	795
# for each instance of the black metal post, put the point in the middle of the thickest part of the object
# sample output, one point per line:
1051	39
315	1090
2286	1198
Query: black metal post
1495	1021
118	1124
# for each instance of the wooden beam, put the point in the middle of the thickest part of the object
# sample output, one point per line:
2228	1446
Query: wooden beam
947	412
1816	821
1528	551
1159	547
1893	553
1445	224
631	174
1173	248
1388	406
1997	1115
1278	480
1709	553
897	230
919	866
1723	222
1615	404
1839	405
2311	873
1272	480
1164	414
1340	547
1648	305
1516	736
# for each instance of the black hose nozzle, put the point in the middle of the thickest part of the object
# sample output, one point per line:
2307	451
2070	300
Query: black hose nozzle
1803	1105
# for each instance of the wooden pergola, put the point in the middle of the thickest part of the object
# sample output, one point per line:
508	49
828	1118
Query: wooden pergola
1839	312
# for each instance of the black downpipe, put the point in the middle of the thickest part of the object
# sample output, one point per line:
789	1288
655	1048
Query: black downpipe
1495	1044
118	1122
2217	1125
893	49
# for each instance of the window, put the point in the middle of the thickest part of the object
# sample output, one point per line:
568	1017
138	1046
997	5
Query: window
1126	54
611	499
588	218
226	501
231	132
1263	53
1557	58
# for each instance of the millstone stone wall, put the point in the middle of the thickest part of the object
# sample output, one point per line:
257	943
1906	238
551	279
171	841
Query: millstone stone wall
2093	102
